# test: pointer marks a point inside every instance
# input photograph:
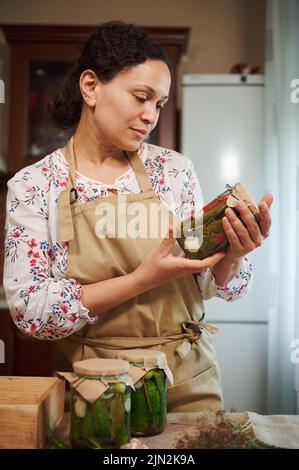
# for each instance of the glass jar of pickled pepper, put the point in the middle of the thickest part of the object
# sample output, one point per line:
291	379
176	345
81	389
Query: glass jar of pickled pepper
149	372
100	403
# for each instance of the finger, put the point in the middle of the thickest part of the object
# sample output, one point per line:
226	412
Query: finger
194	265
168	242
268	199
170	232
236	232
265	219
250	223
182	255
214	258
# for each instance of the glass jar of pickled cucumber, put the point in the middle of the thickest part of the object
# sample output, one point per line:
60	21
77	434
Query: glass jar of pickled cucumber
149	372
203	235
100	403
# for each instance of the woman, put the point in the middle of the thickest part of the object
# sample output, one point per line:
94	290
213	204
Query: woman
70	273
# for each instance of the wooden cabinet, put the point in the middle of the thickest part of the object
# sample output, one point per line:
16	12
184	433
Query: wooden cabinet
23	355
42	53
7	343
20	354
37	54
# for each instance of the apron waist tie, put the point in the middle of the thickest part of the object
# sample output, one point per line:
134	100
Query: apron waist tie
192	331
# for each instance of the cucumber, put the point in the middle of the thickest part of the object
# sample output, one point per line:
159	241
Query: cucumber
154	403
117	414
94	442
139	418
123	433
75	424
56	442
160	380
119	387
87	425
100	418
149	375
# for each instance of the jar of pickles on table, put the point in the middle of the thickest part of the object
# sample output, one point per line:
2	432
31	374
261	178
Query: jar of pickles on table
149	372
100	403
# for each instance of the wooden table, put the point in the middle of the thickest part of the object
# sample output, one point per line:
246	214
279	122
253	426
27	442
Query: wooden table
178	424
278	430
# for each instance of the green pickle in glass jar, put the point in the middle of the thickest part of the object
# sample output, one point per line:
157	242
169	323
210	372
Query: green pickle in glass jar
101	418
149	400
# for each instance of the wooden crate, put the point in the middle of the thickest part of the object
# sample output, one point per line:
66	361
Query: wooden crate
27	406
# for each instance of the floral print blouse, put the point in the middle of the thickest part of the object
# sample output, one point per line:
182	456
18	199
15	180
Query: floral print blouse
45	304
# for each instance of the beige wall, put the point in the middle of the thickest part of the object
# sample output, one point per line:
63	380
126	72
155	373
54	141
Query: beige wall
223	32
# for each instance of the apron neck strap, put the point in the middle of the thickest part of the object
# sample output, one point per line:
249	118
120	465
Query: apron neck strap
140	172
133	157
70	158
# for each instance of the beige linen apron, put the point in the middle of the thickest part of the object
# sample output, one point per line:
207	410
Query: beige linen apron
168	318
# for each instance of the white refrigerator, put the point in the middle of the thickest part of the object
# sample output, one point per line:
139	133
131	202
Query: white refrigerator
222	133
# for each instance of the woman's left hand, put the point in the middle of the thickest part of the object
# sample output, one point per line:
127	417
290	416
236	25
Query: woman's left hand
245	237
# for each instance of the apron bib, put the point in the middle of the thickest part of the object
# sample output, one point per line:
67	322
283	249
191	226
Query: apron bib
169	318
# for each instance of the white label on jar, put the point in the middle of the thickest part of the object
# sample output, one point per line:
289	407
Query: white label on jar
192	244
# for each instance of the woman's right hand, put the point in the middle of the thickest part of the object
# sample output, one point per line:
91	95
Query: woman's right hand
160	266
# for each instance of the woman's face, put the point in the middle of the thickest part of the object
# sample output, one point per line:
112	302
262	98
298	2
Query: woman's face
127	108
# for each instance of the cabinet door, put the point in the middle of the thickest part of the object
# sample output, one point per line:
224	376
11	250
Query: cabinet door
33	357
23	355
33	67
39	54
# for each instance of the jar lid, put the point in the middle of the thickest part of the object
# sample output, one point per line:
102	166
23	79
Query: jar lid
240	193
141	356
101	367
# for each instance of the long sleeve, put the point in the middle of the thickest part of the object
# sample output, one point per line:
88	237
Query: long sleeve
242	281
42	304
42	301
233	290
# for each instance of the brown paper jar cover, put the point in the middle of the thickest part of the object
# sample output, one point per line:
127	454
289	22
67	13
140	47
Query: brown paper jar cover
91	377
143	360
101	367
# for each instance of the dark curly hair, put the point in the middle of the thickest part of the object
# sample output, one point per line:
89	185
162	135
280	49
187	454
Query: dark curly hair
114	46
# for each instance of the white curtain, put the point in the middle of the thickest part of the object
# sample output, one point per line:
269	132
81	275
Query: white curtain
282	169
